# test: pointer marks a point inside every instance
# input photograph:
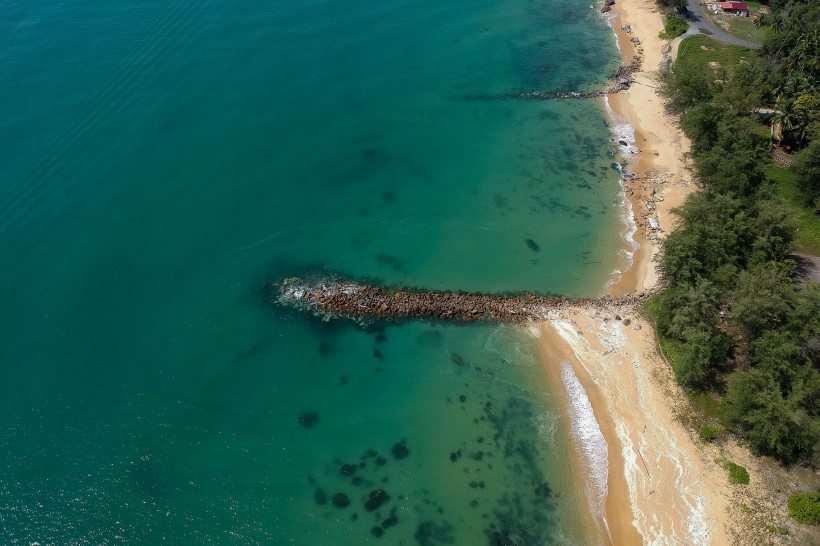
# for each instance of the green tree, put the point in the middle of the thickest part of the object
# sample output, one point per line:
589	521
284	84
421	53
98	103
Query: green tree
687	84
807	168
772	232
777	353
705	351
755	406
672	4
713	234
776	22
697	309
701	125
764	295
744	88
804	319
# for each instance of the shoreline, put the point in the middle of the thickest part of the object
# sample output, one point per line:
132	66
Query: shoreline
665	485
616	361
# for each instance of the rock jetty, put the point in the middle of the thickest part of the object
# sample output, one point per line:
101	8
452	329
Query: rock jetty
621	80
340	298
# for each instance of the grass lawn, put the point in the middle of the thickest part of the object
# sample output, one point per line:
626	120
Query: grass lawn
740	27
807	239
703	50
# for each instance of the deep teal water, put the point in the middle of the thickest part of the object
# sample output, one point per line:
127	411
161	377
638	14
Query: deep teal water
160	162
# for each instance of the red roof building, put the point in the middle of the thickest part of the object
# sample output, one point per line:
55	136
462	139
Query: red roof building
735	7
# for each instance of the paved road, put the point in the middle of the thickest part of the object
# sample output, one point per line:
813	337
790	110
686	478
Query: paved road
808	267
698	19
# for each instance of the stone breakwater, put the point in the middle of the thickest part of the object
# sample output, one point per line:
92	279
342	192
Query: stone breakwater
621	80
340	298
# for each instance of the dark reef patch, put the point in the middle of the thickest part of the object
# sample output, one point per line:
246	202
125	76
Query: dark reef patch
347	469
375	499
308	419
340	500
400	450
430	533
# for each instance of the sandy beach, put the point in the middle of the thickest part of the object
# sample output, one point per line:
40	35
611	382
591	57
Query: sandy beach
660	483
664	485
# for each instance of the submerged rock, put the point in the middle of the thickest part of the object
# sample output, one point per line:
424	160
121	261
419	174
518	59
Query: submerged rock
400	450
347	469
543	491
308	419
375	499
428	533
340	500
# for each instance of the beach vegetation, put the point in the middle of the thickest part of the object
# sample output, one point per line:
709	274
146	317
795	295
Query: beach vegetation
709	433
805	508
777	530
672	4
709	405
734	318
738	475
674	27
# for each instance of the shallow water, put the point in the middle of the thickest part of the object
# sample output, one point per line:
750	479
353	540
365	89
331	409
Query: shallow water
161	161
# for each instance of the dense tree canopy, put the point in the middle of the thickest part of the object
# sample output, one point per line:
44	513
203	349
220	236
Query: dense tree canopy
744	327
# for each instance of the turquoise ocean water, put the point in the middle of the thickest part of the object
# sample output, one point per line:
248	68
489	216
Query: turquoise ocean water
161	162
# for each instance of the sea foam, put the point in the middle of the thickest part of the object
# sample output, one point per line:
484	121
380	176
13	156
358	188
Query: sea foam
590	439
623	134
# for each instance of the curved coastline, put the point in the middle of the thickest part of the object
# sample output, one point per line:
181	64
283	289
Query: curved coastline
658	482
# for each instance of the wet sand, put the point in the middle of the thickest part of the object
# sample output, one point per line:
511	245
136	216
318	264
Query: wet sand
660	484
665	485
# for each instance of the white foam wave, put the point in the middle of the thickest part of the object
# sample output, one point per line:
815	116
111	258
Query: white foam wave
590	439
623	134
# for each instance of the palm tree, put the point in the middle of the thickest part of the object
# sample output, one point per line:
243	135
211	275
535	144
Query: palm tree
777	23
784	118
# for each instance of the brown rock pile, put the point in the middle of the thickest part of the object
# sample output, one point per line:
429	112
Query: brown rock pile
336	297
